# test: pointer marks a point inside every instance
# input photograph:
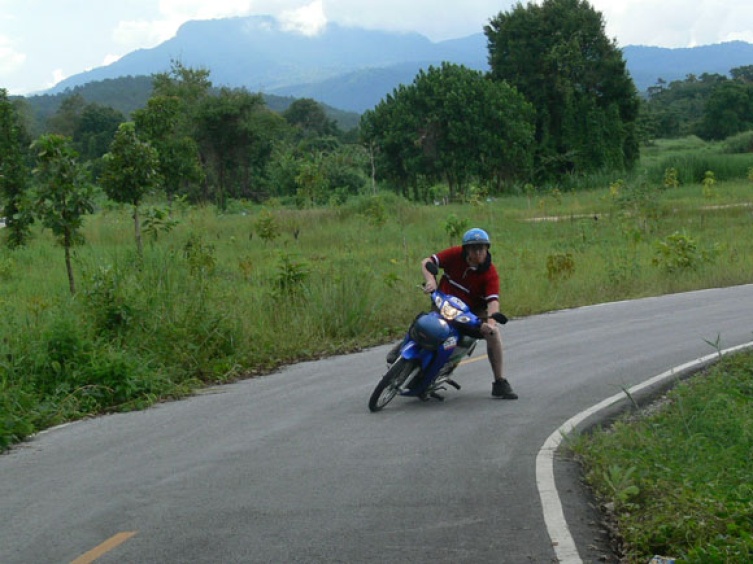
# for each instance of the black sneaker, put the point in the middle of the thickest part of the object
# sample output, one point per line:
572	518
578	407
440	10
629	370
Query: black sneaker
394	353
503	390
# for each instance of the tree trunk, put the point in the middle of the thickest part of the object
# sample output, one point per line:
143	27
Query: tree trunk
373	168
69	268
137	229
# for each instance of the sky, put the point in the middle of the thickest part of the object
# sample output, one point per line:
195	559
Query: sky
45	41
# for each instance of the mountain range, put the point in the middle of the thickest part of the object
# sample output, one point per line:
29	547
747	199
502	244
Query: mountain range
353	69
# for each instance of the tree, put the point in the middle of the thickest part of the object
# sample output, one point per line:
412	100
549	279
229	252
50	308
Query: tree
743	74
13	175
130	171
557	55
677	109
160	124
729	110
234	133
64	194
309	119
188	88
65	120
187	84
94	130
450	125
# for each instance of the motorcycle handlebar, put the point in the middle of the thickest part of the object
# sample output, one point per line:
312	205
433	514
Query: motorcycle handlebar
499	317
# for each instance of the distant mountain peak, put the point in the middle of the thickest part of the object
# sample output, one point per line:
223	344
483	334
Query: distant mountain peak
352	68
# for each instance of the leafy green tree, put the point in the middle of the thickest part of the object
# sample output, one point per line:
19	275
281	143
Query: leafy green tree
450	125
677	109
65	120
558	56
94	130
189	87
91	126
283	169
309	119
235	132
312	183
345	169
390	132
64	194
336	173
130	171
13	175
729	110
160	124
187	84
742	74
28	121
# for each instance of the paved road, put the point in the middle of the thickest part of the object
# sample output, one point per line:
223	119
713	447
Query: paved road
292	467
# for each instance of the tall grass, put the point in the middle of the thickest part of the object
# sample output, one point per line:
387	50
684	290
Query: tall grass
730	160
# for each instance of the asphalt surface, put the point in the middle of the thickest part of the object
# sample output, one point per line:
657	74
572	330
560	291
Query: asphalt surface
292	467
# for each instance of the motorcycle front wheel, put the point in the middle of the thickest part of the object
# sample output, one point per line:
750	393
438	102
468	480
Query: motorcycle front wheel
389	385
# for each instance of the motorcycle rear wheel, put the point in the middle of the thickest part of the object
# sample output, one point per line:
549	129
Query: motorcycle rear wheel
389	385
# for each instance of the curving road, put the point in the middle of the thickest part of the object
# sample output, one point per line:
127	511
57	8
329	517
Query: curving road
293	467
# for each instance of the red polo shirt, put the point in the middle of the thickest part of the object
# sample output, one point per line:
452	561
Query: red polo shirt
476	286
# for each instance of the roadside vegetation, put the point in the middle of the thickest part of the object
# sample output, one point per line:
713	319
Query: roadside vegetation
677	481
207	238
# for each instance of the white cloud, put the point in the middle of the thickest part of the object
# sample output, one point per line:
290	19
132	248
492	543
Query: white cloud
181	10
135	34
308	20
10	59
143	34
110	59
57	76
436	20
676	23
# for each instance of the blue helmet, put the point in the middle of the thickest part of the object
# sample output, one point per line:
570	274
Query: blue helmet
476	236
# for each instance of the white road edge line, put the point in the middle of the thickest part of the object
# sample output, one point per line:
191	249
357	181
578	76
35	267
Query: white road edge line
559	533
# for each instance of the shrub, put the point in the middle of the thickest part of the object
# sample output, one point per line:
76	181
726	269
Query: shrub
740	143
266	226
679	252
455	227
560	266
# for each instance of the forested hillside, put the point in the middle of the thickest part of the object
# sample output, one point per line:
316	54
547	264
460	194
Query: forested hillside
129	93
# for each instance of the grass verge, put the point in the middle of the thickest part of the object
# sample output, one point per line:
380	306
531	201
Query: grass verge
678	480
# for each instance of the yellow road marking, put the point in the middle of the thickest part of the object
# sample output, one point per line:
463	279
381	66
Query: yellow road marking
473	359
103	548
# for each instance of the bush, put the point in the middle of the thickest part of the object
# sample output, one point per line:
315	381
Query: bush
740	143
679	252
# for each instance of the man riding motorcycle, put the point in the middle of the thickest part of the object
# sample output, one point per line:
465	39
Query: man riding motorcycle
470	275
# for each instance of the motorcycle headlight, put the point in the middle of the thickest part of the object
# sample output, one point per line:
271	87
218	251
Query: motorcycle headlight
448	311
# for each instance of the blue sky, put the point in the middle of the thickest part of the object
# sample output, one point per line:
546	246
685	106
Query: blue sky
44	41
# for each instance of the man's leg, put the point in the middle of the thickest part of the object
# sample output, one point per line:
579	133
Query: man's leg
500	387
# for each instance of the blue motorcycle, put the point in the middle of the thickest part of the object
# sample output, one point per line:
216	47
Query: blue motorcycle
431	350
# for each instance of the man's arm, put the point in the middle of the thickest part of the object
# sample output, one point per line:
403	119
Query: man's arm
430	282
